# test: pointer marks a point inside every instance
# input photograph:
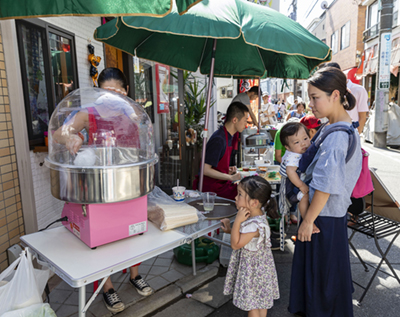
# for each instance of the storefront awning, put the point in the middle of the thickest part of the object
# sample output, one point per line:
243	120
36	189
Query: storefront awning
395	61
371	66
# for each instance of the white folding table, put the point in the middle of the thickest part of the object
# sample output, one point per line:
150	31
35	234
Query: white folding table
78	265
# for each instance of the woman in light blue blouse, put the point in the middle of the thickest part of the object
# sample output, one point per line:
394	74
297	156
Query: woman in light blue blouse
321	282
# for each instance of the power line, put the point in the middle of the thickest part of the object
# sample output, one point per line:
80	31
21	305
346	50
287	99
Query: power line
316	1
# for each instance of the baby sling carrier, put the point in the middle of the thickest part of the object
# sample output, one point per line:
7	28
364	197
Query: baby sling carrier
308	156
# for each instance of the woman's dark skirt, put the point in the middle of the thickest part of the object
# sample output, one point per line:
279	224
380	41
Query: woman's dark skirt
321	283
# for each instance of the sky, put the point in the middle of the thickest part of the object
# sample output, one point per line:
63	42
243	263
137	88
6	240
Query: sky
307	10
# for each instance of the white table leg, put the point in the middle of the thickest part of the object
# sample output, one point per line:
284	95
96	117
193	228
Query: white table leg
193	258
82	301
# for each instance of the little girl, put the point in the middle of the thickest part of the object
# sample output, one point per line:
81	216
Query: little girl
251	275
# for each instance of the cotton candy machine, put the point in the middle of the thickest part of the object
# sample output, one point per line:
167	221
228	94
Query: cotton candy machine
101	160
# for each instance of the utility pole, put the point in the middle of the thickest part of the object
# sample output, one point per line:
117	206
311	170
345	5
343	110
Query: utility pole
383	75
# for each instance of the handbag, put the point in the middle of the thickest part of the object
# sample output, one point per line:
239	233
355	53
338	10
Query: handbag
364	185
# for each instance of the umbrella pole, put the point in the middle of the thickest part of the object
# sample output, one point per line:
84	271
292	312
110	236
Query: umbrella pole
205	131
259	110
259	104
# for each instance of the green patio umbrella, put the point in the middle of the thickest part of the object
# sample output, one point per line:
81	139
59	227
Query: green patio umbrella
11	9
253	41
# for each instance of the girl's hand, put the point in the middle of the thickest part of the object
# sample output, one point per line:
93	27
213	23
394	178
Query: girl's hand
315	229
242	215
305	231
226	225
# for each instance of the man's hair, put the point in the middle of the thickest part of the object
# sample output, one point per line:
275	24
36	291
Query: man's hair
333	64
254	89
236	110
289	129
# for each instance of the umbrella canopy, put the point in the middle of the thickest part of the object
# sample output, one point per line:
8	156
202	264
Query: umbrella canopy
11	9
253	40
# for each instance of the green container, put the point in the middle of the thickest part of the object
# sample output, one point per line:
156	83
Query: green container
274	224
205	249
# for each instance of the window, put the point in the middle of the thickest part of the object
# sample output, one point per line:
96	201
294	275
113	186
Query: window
334	42
143	79
373	15
48	67
345	36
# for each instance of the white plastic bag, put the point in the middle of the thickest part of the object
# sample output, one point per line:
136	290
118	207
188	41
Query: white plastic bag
168	214
37	310
25	284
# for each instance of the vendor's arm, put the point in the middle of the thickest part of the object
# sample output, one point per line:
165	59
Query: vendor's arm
295	179
278	156
68	133
288	116
317	204
213	173
252	116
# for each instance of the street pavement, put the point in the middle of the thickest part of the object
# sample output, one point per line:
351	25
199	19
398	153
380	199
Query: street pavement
382	299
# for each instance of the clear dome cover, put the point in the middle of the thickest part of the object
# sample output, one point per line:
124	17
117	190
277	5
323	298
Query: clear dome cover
98	128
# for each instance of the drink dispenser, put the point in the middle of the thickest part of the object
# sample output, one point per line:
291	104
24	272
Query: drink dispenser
101	160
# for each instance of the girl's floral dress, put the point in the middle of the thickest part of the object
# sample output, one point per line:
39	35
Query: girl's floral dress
251	276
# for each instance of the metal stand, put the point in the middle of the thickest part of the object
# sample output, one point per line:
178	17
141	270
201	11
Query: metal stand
82	301
193	258
375	227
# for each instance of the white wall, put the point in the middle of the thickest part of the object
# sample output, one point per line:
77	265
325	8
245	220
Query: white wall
223	103
49	208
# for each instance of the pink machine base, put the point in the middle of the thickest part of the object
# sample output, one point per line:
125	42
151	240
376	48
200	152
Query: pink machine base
105	223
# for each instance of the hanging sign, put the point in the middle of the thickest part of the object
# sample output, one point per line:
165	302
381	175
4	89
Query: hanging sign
162	82
384	61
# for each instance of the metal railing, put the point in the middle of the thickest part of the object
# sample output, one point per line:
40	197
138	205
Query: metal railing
371	33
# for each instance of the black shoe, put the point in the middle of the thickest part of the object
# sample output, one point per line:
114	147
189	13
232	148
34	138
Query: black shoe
112	301
142	287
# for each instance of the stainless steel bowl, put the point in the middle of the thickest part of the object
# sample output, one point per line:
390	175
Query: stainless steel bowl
101	183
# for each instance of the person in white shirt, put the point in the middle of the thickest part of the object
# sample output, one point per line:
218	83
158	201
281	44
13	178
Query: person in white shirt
359	112
267	111
246	98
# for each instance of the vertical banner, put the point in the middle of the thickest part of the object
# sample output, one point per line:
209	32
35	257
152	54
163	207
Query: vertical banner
384	61
162	82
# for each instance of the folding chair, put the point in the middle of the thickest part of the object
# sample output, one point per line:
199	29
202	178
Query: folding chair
380	219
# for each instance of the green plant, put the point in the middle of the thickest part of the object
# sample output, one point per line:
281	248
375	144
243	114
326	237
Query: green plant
195	103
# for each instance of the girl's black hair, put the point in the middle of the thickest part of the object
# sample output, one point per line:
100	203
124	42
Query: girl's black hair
329	79
112	73
258	188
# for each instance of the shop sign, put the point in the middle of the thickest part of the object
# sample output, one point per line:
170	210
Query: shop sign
384	61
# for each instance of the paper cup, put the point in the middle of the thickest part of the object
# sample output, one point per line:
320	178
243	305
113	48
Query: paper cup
179	193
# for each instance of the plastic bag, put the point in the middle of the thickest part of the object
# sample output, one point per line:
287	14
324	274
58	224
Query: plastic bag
24	286
168	214
37	310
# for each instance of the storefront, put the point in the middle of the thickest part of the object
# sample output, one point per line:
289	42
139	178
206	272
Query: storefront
44	59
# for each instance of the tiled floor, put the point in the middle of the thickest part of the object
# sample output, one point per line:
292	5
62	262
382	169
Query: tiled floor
158	272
